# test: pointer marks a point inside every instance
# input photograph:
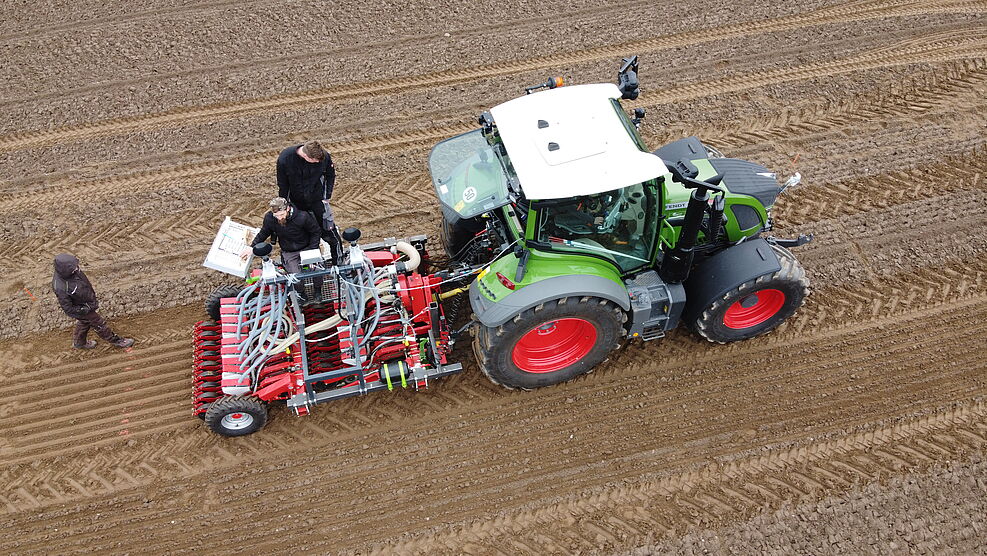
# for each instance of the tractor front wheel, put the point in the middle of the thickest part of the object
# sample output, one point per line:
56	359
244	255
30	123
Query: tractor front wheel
756	306
236	415
550	343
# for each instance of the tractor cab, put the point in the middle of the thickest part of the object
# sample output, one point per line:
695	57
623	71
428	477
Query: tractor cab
569	163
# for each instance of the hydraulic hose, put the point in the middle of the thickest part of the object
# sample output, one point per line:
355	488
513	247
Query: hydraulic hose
262	338
317	327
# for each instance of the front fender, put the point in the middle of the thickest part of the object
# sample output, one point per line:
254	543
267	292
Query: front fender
713	278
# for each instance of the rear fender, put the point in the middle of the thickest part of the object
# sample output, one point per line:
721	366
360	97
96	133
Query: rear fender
494	313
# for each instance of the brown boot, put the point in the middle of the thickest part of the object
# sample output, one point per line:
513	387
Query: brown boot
88	345
123	342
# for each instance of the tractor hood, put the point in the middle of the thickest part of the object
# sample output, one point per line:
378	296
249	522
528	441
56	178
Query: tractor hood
468	176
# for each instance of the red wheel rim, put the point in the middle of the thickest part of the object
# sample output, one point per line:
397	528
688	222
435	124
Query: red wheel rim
754	308
554	345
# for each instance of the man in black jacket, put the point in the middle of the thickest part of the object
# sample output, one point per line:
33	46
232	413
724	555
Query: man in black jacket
295	230
306	177
78	299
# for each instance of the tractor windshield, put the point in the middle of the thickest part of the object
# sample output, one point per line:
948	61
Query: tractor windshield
619	225
467	175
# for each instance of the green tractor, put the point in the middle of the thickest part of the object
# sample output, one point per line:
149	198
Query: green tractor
585	237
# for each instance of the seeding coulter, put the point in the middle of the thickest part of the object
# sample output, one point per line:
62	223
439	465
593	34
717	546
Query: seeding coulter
372	324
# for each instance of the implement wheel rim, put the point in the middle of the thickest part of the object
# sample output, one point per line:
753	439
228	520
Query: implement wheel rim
554	345
237	420
754	309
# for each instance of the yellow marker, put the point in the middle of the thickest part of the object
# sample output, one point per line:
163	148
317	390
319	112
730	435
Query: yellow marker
451	293
387	373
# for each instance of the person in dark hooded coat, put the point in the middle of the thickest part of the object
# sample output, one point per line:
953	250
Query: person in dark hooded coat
306	177
78	299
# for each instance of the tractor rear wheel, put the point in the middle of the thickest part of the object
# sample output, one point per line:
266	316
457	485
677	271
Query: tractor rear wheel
213	301
236	415
550	343
756	306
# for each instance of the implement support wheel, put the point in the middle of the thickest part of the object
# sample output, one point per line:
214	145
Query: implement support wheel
236	415
213	301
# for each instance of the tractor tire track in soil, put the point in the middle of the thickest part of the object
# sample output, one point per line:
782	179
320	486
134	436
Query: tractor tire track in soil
817	465
162	374
78	191
944	48
409	192
871	383
162	240
937	97
900	505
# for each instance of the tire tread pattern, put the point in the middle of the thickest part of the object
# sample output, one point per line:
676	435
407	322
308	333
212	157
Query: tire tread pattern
791	272
487	341
232	404
212	302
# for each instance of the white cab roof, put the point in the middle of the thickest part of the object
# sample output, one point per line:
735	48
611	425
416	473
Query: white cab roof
583	149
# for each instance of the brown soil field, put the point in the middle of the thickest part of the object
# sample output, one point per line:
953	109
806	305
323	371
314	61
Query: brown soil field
130	129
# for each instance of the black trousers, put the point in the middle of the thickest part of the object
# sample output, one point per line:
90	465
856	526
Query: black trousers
329	232
93	321
331	236
292	261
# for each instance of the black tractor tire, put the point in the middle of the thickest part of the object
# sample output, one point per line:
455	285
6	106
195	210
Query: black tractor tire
212	302
446	237
455	235
757	306
236	415
550	343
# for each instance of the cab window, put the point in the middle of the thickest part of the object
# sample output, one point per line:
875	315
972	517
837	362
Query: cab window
618	226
